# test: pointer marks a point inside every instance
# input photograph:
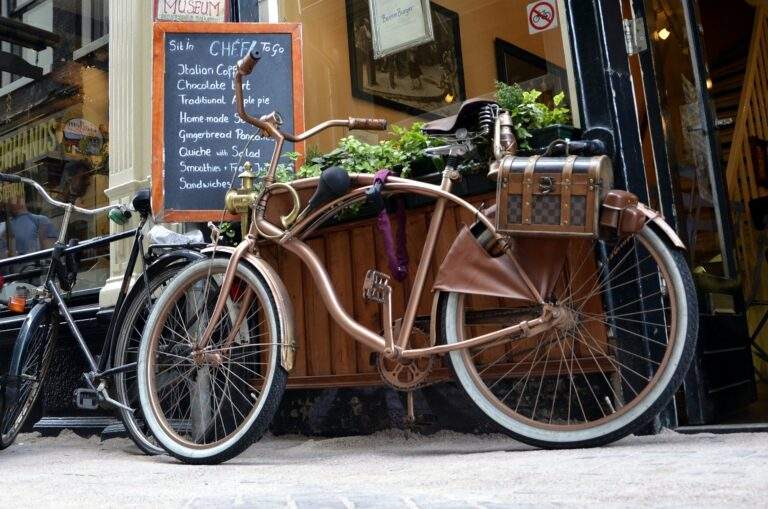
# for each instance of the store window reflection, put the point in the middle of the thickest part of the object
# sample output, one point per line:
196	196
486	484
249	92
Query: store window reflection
54	127
473	45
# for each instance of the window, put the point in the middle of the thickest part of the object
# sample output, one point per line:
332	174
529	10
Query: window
95	20
38	14
55	130
473	45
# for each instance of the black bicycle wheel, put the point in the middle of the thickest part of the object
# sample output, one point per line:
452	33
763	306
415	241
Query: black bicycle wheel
29	365
126	351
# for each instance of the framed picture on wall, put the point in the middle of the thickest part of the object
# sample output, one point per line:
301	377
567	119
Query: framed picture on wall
516	65
210	11
417	80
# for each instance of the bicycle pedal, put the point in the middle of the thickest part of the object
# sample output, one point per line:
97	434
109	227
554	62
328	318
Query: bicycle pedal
376	286
86	399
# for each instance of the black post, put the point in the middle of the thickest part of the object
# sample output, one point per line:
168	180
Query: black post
607	107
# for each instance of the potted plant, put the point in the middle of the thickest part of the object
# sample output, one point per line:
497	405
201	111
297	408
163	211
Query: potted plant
403	153
536	123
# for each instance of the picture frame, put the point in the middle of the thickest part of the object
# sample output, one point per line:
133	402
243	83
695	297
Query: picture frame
517	65
397	25
212	11
417	80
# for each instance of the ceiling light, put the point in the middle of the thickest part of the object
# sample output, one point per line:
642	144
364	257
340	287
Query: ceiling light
663	34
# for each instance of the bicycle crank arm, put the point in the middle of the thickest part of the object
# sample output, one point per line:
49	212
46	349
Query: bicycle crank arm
106	398
102	394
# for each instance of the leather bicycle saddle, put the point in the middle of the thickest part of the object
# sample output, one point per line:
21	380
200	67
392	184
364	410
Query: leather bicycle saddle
466	118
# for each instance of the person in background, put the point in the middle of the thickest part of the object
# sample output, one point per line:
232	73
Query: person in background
414	71
29	232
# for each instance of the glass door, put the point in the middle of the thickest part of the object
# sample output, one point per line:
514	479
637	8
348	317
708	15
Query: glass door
686	170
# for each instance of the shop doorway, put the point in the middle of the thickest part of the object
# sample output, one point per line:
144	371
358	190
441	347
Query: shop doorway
685	175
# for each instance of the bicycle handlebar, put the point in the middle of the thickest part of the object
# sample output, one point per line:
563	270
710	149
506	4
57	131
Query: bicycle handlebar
369	124
246	64
14	179
6	177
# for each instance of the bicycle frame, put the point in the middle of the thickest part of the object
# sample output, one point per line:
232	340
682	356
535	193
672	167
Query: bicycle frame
388	345
99	367
296	227
52	292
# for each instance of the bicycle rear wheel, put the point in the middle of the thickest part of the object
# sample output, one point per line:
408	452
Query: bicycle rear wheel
127	351
603	373
29	365
207	405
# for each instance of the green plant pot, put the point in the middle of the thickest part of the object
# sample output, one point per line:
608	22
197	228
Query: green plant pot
541	138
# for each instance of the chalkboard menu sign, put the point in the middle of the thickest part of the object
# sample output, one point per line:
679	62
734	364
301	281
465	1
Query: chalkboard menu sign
200	142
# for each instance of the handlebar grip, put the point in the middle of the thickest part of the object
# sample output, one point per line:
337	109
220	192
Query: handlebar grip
7	177
246	64
368	124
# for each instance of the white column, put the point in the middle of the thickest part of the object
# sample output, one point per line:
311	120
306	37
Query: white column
130	118
268	11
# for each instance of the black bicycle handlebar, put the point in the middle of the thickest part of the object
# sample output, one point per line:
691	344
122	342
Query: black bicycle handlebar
7	177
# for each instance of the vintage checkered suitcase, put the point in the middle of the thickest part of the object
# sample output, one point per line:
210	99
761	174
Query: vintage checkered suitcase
552	196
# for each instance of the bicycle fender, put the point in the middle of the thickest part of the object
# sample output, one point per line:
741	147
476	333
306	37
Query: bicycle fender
31	322
657	220
282	299
162	261
181	254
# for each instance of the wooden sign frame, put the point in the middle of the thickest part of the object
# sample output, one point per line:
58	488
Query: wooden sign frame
160	30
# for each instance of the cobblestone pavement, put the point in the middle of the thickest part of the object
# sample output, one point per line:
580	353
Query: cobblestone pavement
390	469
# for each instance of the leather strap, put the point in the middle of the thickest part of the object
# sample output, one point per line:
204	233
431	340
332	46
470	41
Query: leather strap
528	189
566	184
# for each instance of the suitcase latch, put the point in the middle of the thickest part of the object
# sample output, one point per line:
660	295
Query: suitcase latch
546	185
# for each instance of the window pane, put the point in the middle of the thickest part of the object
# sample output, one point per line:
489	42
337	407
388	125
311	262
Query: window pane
55	130
475	44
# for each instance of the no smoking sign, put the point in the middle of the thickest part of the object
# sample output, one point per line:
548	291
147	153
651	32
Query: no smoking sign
542	15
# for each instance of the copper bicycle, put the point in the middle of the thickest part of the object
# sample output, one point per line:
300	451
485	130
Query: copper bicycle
590	345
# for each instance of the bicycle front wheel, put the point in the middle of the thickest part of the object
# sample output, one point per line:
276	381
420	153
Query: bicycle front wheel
29	365
601	374
206	405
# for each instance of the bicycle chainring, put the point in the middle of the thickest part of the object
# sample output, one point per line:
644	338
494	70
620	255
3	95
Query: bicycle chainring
406	375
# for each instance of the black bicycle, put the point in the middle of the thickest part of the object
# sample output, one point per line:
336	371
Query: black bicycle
113	371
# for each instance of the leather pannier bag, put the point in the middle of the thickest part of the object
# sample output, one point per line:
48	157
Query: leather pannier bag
620	215
552	196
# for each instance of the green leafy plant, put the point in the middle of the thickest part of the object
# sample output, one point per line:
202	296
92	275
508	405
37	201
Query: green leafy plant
412	142
229	235
398	153
529	112
558	114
